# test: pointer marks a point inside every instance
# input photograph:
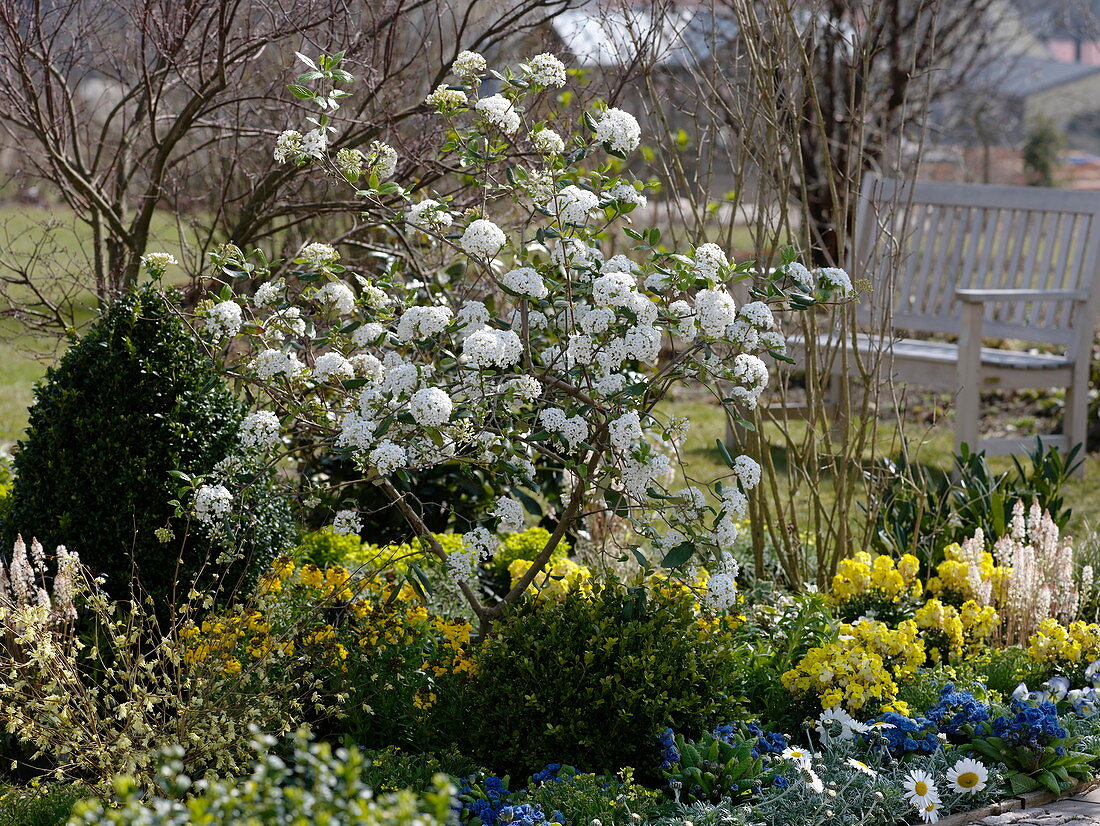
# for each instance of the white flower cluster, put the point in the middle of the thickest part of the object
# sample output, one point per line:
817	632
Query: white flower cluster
573	205
619	130
288	146
510	514
418	323
318	256
715	312
367	334
626	431
709	262
350	162
314	144
546	70
224	319
478	545
259	430
492	348
751	375
388	457
747	470
212	504
271	363
469	64
829	278
547	142
338	296
482	239
269	293
158	262
573	429
627	194
446	99
524	281
332	366
429	215
431	407
500	112
837	280
637	475
381	160
721	592
347	523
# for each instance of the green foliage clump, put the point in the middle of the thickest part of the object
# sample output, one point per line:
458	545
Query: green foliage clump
130	402
315	784
326	547
525	545
582	797
920	509
1005	668
394	768
40	804
717	768
596	680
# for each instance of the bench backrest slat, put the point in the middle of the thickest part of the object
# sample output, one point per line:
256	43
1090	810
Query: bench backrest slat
937	237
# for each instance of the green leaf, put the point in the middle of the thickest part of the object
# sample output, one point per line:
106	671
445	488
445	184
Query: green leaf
679	555
301	92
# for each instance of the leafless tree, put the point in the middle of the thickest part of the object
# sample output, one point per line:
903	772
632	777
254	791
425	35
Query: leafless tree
129	112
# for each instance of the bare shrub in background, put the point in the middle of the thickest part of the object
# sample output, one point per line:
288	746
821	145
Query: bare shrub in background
139	115
778	113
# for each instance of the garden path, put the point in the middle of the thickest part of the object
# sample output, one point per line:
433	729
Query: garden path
1079	810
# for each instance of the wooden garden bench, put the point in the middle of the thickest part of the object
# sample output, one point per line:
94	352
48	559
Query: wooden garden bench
976	262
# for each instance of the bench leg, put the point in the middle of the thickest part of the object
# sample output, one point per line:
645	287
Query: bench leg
1075	419
968	406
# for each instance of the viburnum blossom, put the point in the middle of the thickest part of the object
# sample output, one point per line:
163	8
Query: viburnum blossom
332	365
288	146
546	70
338	296
259	429
446	99
510	513
619	130
431	407
318	256
212	504
483	239
347	523
525	281
500	112
224	319
469	64
547	142
158	262
423	322
429	215
573	205
381	160
510	328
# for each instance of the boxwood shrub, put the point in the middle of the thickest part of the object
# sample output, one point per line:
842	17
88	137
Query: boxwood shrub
593	681
128	403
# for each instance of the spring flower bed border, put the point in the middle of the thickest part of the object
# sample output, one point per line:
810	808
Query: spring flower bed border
1017	803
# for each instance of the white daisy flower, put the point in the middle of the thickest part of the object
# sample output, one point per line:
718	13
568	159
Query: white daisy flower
967	776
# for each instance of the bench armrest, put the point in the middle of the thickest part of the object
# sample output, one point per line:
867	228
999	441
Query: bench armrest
982	296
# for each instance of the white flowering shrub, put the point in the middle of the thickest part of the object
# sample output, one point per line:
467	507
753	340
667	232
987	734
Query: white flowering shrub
534	329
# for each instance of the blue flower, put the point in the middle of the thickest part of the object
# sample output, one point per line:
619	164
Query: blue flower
1032	726
956	709
906	735
670	755
547	774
